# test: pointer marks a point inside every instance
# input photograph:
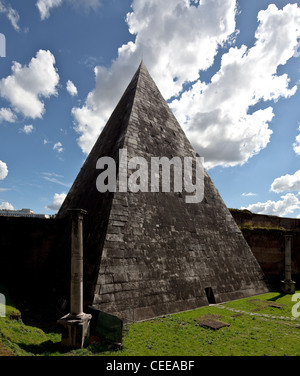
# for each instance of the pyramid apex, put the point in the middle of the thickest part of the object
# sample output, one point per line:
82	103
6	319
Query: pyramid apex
142	66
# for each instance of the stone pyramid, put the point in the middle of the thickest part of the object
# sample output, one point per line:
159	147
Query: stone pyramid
148	254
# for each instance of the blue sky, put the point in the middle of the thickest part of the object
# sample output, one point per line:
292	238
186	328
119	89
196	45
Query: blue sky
229	70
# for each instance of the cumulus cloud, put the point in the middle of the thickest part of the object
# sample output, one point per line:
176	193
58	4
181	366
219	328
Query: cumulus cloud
27	86
6	206
287	205
287	183
58	199
45	6
3	170
162	28
217	116
11	14
27	129
7	115
71	88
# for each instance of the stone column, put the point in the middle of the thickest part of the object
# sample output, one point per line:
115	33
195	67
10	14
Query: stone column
288	257
288	286
76	323
76	296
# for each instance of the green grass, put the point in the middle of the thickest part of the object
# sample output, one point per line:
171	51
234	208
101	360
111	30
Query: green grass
255	331
181	334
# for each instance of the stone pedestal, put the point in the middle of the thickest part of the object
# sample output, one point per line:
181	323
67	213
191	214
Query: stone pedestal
74	330
288	287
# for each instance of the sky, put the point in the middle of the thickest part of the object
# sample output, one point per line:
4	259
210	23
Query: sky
229	70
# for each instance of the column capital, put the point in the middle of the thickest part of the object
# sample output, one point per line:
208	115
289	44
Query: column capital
77	212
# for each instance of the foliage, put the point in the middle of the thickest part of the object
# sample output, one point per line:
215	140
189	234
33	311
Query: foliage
266	227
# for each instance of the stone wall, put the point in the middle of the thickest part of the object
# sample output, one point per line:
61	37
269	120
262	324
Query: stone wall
265	236
25	248
29	258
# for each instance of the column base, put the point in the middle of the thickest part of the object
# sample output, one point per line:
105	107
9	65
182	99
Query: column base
288	287
75	330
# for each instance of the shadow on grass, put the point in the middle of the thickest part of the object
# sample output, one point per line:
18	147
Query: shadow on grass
45	348
50	348
280	295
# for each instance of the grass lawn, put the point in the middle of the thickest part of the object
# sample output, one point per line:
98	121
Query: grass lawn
255	326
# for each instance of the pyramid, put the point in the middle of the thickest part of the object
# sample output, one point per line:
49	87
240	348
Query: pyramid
148	254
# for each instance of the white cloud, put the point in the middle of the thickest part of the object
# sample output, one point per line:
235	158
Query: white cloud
53	178
45	6
52	174
287	183
246	77
7	115
248	194
56	181
58	199
27	129
217	116
287	205
6	206
71	88
3	170
58	147
162	28
27	85
11	14
296	145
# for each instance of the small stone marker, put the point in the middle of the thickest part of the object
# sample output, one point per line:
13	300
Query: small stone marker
213	324
276	305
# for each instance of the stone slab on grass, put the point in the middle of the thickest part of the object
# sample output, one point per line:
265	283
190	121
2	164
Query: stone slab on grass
211	322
